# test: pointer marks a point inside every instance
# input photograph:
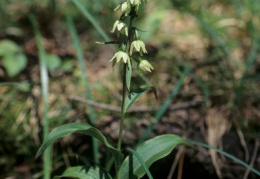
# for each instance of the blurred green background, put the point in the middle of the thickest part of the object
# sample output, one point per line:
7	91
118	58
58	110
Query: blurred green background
218	102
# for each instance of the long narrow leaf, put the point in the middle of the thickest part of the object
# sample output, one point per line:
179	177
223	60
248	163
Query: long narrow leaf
83	68
45	92
166	104
79	128
150	151
226	154
128	76
142	162
91	19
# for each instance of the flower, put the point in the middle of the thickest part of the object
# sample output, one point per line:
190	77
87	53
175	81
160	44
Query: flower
120	25
121	55
139	46
125	8
144	65
135	2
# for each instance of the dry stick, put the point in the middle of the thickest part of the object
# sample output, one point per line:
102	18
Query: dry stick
175	162
242	140
184	105
180	168
252	159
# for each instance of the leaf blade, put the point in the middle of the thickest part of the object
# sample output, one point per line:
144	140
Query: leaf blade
82	128
135	96
82	172
151	151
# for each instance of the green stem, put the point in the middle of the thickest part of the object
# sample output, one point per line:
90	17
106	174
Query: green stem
124	86
122	120
122	110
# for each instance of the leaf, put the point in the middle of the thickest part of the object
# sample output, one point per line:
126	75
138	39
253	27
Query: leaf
150	151
135	96
53	61
14	64
147	171
82	172
226	154
8	47
128	76
67	65
110	42
81	128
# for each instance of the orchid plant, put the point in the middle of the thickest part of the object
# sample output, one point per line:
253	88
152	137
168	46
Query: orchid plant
136	164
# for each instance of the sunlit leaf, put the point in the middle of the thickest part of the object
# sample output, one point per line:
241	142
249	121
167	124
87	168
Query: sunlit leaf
53	61
14	64
135	96
150	151
82	128
8	47
81	172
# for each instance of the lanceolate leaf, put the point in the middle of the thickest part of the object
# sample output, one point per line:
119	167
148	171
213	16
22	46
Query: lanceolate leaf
128	76
150	151
135	96
81	172
79	128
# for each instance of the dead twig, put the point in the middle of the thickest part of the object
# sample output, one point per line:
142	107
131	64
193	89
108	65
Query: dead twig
183	105
242	140
175	162
181	162
252	159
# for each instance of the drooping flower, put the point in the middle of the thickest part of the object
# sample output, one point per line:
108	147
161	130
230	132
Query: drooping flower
121	55
125	8
138	46
136	2
120	26
144	66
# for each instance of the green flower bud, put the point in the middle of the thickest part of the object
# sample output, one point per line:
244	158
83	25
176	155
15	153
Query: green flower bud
120	26
121	55
144	66
138	46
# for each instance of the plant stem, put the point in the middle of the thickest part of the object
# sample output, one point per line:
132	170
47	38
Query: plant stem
122	120
124	85
122	109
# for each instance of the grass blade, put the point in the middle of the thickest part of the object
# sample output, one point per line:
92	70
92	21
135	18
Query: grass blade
213	34
142	162
80	58
226	154
91	19
45	92
166	104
